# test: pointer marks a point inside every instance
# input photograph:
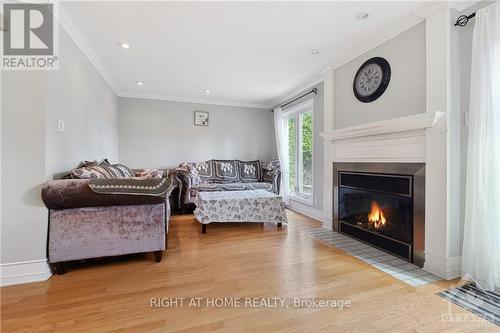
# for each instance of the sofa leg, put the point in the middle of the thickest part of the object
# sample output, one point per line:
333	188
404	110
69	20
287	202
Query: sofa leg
59	268
203	228
158	255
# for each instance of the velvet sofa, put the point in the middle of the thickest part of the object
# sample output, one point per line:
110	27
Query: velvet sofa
225	175
84	224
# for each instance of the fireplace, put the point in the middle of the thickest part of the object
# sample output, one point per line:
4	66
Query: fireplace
382	204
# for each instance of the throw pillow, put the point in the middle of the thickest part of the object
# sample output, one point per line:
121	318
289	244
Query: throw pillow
119	171
205	170
91	171
226	171
250	171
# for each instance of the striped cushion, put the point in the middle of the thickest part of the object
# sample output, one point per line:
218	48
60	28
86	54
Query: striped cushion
118	171
91	171
125	171
101	170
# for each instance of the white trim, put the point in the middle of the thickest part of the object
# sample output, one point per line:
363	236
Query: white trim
408	123
447	269
192	100
306	210
327	222
328	150
294	112
392	31
432	6
461	5
393	147
84	46
389	32
24	272
295	92
296	198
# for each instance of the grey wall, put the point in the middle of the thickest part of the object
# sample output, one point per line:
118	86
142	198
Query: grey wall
155	133
77	94
32	149
24	217
405	94
318	155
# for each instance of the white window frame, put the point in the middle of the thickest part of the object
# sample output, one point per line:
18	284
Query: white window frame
295	111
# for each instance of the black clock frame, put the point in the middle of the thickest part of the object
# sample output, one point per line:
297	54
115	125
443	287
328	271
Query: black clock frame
386	78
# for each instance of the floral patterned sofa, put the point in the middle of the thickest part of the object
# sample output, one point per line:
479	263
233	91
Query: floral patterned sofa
225	175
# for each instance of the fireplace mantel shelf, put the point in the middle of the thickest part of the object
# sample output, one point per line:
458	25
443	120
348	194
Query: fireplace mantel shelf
409	123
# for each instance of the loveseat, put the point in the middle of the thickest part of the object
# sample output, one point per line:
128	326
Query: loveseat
84	224
225	175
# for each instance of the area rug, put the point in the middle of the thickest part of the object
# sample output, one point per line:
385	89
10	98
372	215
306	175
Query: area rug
485	304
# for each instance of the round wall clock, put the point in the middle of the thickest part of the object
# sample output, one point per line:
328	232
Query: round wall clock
371	79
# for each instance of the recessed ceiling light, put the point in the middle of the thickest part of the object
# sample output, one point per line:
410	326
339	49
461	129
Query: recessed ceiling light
139	83
361	16
208	91
315	51
125	45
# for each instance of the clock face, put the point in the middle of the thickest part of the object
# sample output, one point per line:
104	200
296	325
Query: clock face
371	79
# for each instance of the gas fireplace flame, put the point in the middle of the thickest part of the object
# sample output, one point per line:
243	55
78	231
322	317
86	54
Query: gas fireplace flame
376	216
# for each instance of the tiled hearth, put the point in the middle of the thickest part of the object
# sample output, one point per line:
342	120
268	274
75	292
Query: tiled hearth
388	263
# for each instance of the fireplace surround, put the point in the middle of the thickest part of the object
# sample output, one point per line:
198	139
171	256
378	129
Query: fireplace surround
382	204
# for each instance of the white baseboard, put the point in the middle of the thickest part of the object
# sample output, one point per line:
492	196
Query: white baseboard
327	223
306	210
24	272
445	268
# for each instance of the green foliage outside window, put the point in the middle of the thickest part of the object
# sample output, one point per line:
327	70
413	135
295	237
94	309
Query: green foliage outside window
307	150
306	127
292	182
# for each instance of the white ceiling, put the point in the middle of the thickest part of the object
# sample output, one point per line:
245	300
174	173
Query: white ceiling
246	53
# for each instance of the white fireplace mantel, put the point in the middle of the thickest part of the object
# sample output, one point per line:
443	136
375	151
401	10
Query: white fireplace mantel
402	124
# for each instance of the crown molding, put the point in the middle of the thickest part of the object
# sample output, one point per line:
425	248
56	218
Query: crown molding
75	34
326	69
192	100
430	7
70	27
462	5
391	31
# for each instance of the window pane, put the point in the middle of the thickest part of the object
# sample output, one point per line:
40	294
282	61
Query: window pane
305	166
291	154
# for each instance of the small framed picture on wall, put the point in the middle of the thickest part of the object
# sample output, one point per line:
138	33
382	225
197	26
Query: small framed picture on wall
201	118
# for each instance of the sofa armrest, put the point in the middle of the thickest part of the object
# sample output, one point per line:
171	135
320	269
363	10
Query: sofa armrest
185	181
276	181
271	173
76	193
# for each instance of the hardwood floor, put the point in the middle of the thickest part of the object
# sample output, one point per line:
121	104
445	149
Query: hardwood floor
239	261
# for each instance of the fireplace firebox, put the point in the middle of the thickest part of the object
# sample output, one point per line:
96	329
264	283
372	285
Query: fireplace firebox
382	207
